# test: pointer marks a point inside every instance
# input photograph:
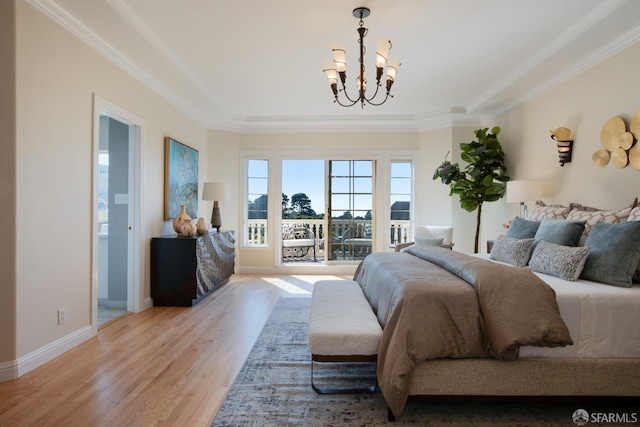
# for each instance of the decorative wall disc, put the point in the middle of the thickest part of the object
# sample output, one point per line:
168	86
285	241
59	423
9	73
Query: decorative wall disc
634	156
601	157
619	157
611	133
634	127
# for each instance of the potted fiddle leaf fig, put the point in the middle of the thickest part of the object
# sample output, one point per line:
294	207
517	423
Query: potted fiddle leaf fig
483	179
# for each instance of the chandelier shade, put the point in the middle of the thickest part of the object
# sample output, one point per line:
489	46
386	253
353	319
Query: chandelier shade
337	69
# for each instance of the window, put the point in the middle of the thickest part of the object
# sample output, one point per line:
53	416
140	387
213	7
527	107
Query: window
258	202
400	199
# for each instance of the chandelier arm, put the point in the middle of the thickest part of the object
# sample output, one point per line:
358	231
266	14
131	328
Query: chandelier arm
344	90
337	100
373	96
383	101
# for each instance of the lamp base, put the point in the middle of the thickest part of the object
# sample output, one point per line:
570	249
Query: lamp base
216	221
524	210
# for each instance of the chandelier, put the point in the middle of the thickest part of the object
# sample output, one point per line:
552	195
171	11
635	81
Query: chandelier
338	66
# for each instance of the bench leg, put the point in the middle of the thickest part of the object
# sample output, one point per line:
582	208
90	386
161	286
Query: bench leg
369	389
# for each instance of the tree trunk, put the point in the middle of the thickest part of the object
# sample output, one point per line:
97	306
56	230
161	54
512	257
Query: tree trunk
475	248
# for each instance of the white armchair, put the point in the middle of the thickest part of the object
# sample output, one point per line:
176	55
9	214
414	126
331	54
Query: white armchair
430	234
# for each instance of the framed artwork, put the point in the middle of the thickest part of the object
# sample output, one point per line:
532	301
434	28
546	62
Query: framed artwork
180	179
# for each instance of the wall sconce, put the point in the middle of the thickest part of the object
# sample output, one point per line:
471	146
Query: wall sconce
562	136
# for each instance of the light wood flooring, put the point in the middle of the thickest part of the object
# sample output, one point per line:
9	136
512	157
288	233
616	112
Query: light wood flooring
166	366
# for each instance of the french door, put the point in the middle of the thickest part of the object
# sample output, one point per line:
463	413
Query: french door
333	198
350	209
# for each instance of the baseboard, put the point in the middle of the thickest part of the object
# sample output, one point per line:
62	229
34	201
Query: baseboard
147	303
16	368
8	371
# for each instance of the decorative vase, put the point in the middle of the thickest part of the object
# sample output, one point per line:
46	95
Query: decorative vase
201	226
180	219
188	229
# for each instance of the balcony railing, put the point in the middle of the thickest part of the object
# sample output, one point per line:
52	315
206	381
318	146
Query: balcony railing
399	232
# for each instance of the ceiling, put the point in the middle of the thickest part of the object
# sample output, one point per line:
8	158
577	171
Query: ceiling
256	65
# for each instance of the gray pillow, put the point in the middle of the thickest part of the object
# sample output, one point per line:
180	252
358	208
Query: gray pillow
522	228
425	241
615	253
565	262
560	231
512	251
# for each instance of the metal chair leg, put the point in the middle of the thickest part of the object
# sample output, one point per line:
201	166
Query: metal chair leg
353	390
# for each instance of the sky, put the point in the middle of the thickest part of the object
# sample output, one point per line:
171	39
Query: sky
305	176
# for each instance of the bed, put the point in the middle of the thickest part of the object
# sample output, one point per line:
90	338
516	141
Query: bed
453	340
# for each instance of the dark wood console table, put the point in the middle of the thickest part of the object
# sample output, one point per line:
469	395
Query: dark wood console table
184	270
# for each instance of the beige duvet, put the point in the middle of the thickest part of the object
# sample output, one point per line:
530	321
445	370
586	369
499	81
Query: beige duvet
437	303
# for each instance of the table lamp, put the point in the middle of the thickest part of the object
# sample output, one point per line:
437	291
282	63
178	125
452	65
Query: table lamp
521	191
217	192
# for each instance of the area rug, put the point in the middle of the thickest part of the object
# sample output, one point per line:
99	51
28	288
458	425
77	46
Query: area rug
274	389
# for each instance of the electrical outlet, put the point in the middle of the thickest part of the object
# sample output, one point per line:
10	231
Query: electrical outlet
62	316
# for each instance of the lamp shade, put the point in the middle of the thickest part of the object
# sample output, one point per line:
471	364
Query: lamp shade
392	68
339	57
216	191
523	191
382	52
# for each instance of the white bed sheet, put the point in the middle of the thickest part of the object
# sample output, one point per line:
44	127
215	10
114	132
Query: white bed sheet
603	320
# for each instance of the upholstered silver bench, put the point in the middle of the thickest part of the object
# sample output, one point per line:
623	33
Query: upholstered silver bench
342	328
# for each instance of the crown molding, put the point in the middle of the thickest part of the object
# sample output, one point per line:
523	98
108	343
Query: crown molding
328	124
573	33
57	13
456	116
150	36
617	45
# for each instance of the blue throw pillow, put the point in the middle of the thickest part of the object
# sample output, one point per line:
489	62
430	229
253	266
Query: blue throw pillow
560	231
522	228
614	254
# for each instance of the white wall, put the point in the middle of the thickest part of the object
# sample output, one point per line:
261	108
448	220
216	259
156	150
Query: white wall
57	77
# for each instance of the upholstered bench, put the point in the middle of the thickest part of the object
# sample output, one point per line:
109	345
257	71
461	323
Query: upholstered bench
342	328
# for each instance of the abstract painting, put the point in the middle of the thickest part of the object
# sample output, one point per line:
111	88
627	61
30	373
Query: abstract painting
180	179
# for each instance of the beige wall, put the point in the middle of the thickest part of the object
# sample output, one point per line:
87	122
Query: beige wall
8	182
223	166
583	104
57	78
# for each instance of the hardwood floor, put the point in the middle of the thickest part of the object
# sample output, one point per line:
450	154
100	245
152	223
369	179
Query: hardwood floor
164	366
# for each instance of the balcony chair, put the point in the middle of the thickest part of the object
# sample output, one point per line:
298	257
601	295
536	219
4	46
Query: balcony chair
357	241
297	240
430	235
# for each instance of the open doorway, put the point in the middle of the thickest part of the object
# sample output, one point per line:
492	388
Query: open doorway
116	271
113	219
327	210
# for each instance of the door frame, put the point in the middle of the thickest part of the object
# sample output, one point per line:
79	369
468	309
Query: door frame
135	288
